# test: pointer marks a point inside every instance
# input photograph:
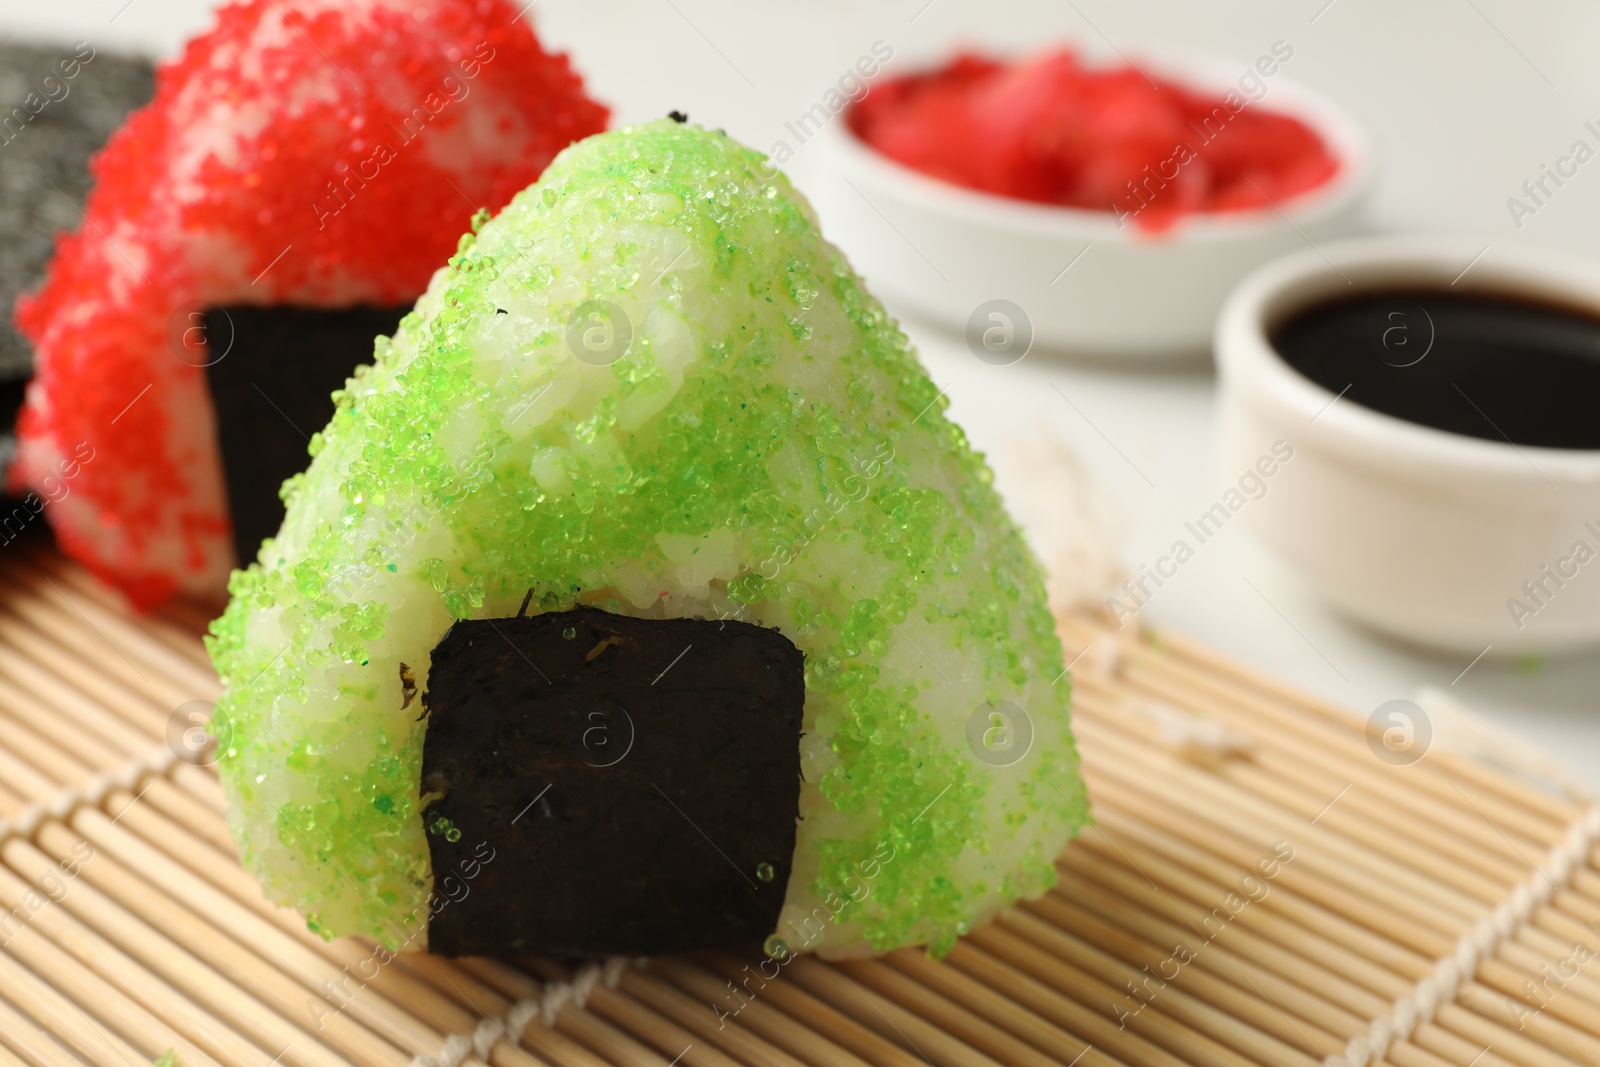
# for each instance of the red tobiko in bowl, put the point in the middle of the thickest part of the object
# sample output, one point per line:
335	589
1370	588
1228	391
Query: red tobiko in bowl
1105	208
1054	130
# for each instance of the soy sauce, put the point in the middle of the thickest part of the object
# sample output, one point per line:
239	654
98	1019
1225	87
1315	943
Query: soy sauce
1501	368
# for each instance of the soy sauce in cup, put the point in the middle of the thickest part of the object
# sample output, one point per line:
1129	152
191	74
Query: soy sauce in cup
1499	367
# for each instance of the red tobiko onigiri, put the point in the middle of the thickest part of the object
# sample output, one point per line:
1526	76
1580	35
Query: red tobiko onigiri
301	152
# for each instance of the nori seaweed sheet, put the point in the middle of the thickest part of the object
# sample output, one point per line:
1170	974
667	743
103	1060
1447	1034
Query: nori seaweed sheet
45	145
272	372
595	784
12	393
20	514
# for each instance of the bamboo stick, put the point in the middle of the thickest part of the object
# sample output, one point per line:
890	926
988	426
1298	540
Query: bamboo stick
1188	787
9	1058
1586	880
270	986
1282	943
388	981
1426	897
33	972
1336	733
177	624
1244	1003
1306	1002
1362	913
1332	761
1528	961
29	1044
959	988
1280	947
138	700
1121	1045
785	1028
557	1044
1514	792
139	945
889	1019
1113	1002
1413	1055
26	780
1490	1033
11	803
1308	901
53	695
201	785
1356	814
199	897
75	638
183	809
1545	1026
32	595
16	709
804	1006
31	747
1138	989
593	1026
926	1001
65	932
731	1036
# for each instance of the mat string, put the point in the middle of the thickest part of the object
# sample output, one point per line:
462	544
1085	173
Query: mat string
61	806
456	1047
1482	941
545	1007
1404	1016
1457	728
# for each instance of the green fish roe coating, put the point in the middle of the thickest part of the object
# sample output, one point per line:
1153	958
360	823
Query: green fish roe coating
747	434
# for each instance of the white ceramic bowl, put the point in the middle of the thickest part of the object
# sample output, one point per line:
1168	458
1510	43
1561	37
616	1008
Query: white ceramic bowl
1088	286
1417	532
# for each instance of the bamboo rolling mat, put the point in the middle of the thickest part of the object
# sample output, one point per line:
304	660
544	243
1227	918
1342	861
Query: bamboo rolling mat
1261	889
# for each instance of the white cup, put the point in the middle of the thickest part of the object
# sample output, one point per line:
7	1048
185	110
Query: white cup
1085	284
1431	536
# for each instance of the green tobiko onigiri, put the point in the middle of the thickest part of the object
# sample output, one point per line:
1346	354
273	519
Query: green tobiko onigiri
650	386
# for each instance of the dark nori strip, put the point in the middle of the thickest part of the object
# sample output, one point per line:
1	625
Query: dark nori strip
272	372
637	781
19	514
12	393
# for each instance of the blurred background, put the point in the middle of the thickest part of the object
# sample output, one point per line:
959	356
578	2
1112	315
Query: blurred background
1464	100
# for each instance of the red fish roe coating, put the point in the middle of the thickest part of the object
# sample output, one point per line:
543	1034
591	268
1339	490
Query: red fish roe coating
321	152
1055	131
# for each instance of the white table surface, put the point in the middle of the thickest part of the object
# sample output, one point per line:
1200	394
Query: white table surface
1464	98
